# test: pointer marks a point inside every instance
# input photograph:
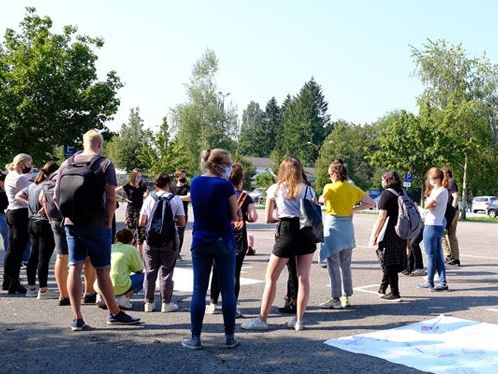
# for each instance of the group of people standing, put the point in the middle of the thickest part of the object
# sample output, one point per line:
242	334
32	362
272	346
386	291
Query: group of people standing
219	239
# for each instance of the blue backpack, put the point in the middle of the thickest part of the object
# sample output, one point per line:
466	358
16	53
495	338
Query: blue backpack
161	227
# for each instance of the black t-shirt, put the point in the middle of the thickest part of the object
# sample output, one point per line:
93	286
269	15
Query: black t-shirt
389	201
135	194
452	188
182	191
4	201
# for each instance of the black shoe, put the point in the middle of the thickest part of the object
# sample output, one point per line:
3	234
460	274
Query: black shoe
454	262
406	272
90	299
288	309
5	283
391	297
65	301
122	319
16	288
381	292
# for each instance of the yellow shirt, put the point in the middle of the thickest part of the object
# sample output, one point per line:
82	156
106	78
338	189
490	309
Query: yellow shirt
340	198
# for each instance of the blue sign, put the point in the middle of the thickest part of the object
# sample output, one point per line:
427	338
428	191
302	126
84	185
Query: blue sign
409	177
69	151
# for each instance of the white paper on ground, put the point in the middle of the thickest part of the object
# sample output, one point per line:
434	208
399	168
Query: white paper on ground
183	279
440	345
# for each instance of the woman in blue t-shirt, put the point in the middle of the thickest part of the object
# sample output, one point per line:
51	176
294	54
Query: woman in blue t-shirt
215	207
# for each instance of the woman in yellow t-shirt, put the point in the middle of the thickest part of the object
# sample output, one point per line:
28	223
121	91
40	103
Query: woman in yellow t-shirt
341	200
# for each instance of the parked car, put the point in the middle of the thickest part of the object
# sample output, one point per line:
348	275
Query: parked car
258	195
486	204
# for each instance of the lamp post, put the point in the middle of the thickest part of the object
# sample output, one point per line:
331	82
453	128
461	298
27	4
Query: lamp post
222	101
314	146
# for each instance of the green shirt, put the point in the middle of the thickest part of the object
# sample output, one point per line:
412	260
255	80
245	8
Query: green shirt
125	260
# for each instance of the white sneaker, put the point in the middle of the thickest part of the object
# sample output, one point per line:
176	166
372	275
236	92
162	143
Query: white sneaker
345	302
168	307
211	308
296	325
48	294
124	303
32	292
418	273
254	324
148	307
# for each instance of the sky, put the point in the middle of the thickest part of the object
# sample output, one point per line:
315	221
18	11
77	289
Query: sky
358	51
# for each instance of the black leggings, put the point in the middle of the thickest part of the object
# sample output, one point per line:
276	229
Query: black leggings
390	278
215	287
17	219
292	282
42	247
415	260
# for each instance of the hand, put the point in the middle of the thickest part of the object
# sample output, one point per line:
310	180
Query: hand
373	242
238	225
42	212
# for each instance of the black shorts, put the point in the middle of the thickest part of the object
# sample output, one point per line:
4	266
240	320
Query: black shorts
291	241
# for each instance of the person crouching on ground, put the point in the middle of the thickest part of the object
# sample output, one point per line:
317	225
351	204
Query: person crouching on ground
126	270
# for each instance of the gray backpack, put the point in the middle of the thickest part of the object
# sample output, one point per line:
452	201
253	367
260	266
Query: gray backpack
409	219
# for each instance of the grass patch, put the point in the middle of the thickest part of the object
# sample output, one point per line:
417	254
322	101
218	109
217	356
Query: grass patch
482	219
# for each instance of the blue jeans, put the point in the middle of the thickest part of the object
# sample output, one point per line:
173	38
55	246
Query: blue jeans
223	255
4	231
434	251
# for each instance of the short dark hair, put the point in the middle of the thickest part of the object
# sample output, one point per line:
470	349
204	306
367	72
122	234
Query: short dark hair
162	180
392	179
178	172
2	177
124	236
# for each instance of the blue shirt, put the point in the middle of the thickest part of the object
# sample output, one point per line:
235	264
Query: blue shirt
212	218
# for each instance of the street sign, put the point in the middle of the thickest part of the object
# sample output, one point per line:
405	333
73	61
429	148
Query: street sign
69	151
407	184
409	177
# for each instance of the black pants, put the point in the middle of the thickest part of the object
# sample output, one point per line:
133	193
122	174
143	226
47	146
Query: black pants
17	219
390	278
415	260
292	282
181	234
215	285
42	247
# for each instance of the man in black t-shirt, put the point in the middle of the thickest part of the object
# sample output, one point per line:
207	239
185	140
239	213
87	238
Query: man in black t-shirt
182	189
450	241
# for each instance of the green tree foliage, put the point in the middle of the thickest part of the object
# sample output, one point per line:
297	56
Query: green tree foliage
264	180
204	120
304	121
132	141
273	122
163	155
253	135
49	90
351	143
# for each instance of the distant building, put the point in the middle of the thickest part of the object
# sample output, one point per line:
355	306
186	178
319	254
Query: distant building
266	165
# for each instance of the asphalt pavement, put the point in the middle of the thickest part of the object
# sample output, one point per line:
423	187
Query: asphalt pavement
35	334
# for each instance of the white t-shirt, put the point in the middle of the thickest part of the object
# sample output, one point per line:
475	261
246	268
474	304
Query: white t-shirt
435	216
15	182
288	208
175	203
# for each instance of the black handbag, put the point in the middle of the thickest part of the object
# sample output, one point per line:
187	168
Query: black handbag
311	218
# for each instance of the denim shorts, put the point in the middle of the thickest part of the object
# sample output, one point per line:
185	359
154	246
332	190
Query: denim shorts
89	241
137	282
60	238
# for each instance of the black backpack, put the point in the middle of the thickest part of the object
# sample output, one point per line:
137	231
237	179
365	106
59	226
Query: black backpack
80	190
161	227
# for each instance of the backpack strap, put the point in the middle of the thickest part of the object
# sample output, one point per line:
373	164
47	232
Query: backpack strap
393	191
90	163
241	200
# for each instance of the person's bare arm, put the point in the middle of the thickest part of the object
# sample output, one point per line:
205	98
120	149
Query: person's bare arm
252	213
235	213
270	211
379	223
180	221
365	203
22	197
185	198
110	203
455	199
142	221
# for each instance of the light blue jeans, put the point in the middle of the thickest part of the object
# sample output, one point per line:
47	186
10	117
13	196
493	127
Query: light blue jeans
434	251
4	231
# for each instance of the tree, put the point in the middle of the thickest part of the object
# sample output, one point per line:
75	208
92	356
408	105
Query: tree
49	90
351	143
252	140
132	141
304	121
273	125
203	121
163	155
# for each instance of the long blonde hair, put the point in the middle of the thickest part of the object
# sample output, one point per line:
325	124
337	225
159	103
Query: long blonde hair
21	158
290	174
133	175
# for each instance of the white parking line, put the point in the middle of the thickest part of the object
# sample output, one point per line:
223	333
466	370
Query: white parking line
492	310
483	257
362	289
